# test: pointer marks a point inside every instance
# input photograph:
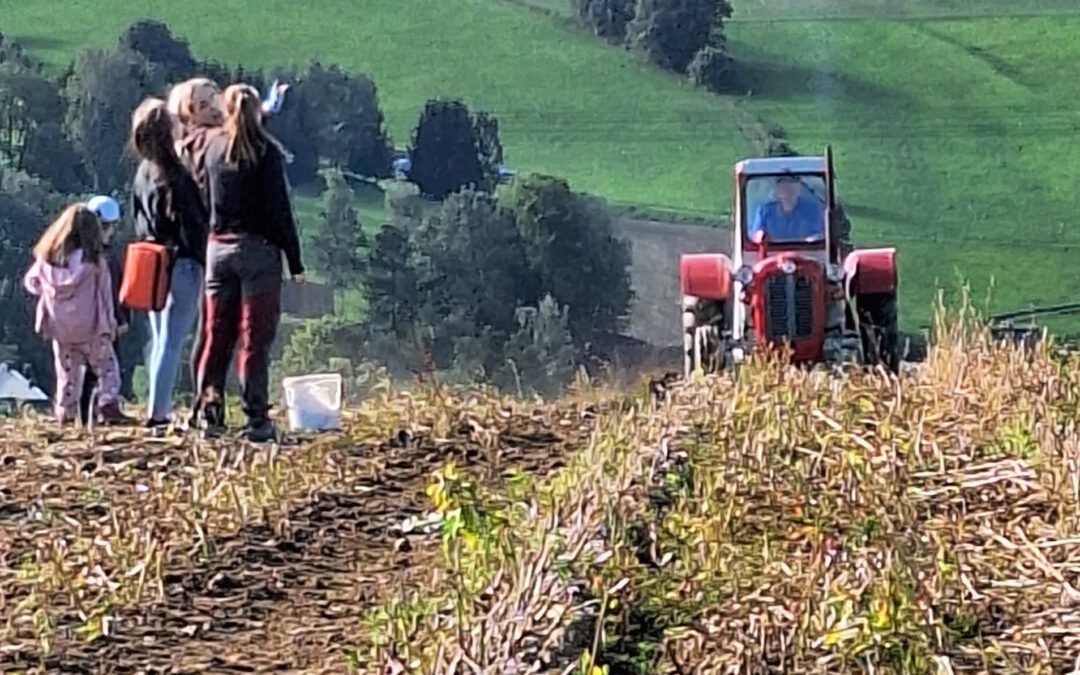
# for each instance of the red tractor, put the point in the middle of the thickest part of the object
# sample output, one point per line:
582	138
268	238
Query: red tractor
792	280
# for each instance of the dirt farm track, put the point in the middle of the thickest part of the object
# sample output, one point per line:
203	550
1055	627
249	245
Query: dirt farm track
655	247
128	554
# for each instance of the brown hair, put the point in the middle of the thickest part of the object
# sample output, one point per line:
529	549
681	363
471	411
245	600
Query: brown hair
77	227
181	100
152	129
246	138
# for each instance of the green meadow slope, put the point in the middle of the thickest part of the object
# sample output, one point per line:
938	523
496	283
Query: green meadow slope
953	124
952	121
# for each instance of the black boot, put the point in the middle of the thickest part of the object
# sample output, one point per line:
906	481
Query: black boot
260	431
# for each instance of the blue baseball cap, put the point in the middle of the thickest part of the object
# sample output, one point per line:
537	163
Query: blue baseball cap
105	207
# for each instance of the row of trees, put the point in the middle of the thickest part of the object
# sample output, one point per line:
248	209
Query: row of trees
684	36
517	289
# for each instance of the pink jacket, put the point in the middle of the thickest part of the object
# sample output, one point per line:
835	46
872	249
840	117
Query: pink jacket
75	303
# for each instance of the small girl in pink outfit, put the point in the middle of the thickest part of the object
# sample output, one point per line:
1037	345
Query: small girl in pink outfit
71	280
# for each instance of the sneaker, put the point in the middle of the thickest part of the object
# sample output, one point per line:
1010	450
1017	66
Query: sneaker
157	428
110	414
260	432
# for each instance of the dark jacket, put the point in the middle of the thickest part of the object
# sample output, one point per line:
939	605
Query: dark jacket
253	199
116	270
186	230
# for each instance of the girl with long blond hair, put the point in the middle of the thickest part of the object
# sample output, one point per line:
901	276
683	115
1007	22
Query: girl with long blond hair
169	210
196	104
251	226
76	312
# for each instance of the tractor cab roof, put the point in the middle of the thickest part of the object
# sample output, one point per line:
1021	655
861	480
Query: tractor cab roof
780	165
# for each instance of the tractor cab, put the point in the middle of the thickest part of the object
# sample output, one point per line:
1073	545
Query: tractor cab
781	218
791	278
782	204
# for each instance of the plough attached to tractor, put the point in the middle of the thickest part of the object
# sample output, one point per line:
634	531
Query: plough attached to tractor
1012	325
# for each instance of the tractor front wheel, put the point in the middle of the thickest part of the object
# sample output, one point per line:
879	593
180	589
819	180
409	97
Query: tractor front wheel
880	330
703	346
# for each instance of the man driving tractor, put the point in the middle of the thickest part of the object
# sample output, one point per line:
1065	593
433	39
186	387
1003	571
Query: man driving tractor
790	216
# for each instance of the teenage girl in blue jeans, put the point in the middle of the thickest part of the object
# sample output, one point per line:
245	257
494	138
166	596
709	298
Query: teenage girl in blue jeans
168	209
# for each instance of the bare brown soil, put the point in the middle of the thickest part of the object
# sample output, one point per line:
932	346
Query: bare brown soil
280	594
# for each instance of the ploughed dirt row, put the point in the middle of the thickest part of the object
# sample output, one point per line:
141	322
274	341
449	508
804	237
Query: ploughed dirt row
177	556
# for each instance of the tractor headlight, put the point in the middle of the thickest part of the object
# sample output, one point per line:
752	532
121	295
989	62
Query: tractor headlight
744	275
834	273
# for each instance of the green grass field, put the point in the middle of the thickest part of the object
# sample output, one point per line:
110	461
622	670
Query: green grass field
951	121
952	135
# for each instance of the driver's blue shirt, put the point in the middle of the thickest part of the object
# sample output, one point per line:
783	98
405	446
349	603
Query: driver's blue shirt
805	222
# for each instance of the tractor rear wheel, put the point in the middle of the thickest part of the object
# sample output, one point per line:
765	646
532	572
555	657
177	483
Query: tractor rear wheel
880	330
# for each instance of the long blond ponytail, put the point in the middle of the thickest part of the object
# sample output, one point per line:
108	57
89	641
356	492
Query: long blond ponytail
243	125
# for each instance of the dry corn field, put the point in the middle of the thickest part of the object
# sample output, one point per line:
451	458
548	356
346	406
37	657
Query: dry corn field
778	522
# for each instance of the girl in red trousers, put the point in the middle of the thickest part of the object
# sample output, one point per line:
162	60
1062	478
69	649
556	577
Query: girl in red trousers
251	225
75	311
196	105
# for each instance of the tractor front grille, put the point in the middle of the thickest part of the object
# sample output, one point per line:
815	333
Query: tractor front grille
789	308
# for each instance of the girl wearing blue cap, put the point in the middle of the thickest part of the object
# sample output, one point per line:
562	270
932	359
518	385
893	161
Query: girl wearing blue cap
108	212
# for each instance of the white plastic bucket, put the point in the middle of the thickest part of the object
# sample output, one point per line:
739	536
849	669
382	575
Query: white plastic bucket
313	402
